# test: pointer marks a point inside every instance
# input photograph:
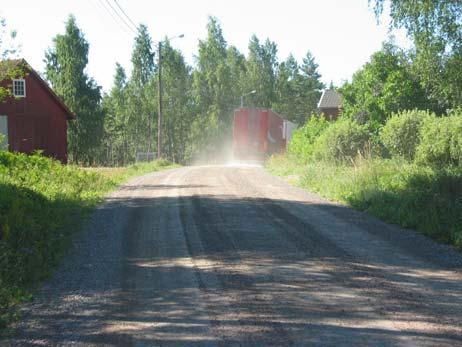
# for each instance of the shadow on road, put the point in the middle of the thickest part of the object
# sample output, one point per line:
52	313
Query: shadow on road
228	271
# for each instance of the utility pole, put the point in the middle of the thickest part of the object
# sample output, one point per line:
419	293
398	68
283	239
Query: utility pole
159	117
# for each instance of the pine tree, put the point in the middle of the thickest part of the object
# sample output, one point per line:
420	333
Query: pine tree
298	88
311	86
65	62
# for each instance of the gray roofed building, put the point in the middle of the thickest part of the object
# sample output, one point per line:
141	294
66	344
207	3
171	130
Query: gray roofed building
330	104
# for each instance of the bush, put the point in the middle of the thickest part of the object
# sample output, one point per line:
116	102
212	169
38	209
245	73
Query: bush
441	141
301	144
401	133
341	142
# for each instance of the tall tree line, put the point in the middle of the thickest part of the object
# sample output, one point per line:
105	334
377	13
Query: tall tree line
198	101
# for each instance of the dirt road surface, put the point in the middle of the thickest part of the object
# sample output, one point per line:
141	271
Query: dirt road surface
231	256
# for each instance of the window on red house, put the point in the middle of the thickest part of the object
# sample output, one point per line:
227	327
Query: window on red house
19	88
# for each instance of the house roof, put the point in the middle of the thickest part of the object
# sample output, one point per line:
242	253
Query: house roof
330	99
24	64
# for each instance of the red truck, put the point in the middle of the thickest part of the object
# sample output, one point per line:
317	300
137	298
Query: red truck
258	133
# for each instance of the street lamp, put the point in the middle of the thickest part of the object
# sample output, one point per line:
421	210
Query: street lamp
159	118
242	97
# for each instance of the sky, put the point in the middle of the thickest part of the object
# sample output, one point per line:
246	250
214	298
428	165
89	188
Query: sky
341	35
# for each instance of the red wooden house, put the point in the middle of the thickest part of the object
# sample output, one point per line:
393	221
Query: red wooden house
34	117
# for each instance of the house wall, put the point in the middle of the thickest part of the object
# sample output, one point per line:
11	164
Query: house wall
330	113
36	122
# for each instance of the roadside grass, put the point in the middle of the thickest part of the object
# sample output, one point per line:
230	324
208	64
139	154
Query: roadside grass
42	206
418	197
118	175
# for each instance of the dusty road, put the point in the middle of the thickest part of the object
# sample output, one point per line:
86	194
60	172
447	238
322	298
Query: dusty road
230	256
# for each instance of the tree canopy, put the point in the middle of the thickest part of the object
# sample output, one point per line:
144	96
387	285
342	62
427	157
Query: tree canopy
65	62
435	26
382	86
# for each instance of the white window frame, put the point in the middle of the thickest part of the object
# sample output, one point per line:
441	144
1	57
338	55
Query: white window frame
24	84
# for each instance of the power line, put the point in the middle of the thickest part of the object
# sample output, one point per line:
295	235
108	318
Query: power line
114	18
121	18
97	5
125	14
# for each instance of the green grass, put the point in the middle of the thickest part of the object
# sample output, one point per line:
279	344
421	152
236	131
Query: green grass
418	197
118	175
42	205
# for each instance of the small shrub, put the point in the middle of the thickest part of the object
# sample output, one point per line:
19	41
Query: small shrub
342	141
441	141
301	144
401	133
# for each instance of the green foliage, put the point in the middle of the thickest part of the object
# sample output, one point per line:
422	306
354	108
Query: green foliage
198	103
140	103
178	113
436	30
401	133
343	141
261	67
311	85
424	194
42	203
142	58
383	86
283	165
211	86
303	139
298	89
37	195
115	142
65	62
3	143
287	86
131	106
413	196
8	69
223	75
441	141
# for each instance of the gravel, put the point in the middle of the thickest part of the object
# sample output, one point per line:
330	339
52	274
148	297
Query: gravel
231	256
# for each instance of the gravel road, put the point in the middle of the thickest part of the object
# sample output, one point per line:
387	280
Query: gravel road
231	256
